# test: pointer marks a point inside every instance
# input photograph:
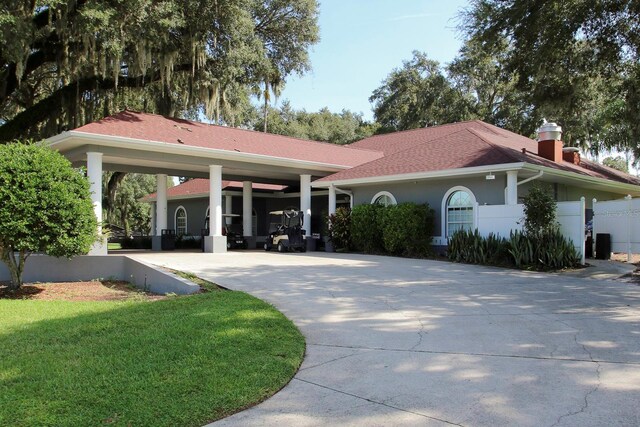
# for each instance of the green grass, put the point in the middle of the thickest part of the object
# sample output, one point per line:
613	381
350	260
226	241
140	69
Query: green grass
114	246
181	361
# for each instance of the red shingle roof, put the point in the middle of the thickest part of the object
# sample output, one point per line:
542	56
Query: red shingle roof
151	127
200	187
460	145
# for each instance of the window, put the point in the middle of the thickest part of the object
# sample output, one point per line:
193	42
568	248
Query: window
459	211
181	221
384	198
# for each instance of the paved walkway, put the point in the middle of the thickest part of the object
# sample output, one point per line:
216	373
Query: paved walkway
395	341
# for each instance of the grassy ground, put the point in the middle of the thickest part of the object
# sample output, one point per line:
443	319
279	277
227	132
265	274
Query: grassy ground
114	246
180	361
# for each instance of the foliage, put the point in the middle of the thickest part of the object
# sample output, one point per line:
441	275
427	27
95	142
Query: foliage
417	95
338	128
366	228
185	241
576	59
549	250
340	228
138	363
63	64
45	206
539	208
619	163
126	210
407	229
470	247
546	250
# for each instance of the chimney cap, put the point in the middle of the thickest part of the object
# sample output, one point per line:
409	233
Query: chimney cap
571	150
550	132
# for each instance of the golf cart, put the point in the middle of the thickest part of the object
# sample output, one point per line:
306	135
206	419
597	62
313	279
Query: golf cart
285	231
235	240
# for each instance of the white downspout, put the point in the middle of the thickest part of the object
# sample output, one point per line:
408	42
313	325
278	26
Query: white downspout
524	181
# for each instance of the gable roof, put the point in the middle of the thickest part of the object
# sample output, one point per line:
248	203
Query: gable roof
458	146
200	187
156	128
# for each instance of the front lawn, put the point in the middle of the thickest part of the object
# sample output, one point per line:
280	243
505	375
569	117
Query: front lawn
179	361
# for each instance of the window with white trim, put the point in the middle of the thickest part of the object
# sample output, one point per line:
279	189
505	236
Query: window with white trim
459	212
384	198
181	221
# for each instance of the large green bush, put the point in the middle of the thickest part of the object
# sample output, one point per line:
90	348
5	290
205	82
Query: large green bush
339	228
366	228
407	229
45	206
539	207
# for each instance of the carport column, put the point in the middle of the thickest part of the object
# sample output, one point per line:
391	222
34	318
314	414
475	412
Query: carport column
247	214
305	205
332	199
215	241
328	246
512	188
94	174
228	200
161	211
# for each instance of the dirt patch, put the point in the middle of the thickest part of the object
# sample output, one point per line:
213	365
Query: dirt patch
622	257
107	290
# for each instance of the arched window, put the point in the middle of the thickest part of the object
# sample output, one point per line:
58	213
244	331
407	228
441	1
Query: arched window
384	198
458	210
181	221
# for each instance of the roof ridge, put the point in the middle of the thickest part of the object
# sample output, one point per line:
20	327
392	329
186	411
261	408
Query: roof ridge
195	123
418	129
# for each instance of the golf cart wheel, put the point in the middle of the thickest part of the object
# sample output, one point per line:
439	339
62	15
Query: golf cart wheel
281	247
267	247
228	245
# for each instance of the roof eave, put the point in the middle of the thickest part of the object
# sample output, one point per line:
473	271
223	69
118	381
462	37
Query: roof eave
608	183
68	138
420	175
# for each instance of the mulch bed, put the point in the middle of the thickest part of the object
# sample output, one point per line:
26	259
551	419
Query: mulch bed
107	290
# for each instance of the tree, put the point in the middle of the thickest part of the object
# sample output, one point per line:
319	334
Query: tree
417	95
573	58
45	206
338	128
128	211
617	162
63	64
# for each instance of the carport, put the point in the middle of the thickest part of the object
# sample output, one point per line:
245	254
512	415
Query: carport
163	146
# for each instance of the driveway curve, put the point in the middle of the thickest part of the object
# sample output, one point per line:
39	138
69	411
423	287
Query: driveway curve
394	341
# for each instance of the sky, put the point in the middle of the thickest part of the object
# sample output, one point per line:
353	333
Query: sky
362	41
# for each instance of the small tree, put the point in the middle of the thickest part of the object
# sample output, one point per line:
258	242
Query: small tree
45	206
340	228
539	211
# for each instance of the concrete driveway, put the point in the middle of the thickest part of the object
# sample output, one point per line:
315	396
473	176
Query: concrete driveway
394	341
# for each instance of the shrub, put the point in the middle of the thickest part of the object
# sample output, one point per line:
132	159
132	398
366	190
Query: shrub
45	206
470	247
187	241
407	229
137	242
339	228
366	228
542	251
539	210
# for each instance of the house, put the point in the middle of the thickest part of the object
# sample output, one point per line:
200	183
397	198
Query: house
455	168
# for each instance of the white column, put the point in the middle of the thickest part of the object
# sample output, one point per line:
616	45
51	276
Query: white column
629	224
305	202
332	199
228	200
512	188
215	200
153	219
247	209
94	174
161	203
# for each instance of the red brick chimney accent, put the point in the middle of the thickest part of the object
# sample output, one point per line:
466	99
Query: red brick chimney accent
571	157
551	150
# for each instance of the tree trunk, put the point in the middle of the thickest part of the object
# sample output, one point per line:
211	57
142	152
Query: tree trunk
15	266
112	186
